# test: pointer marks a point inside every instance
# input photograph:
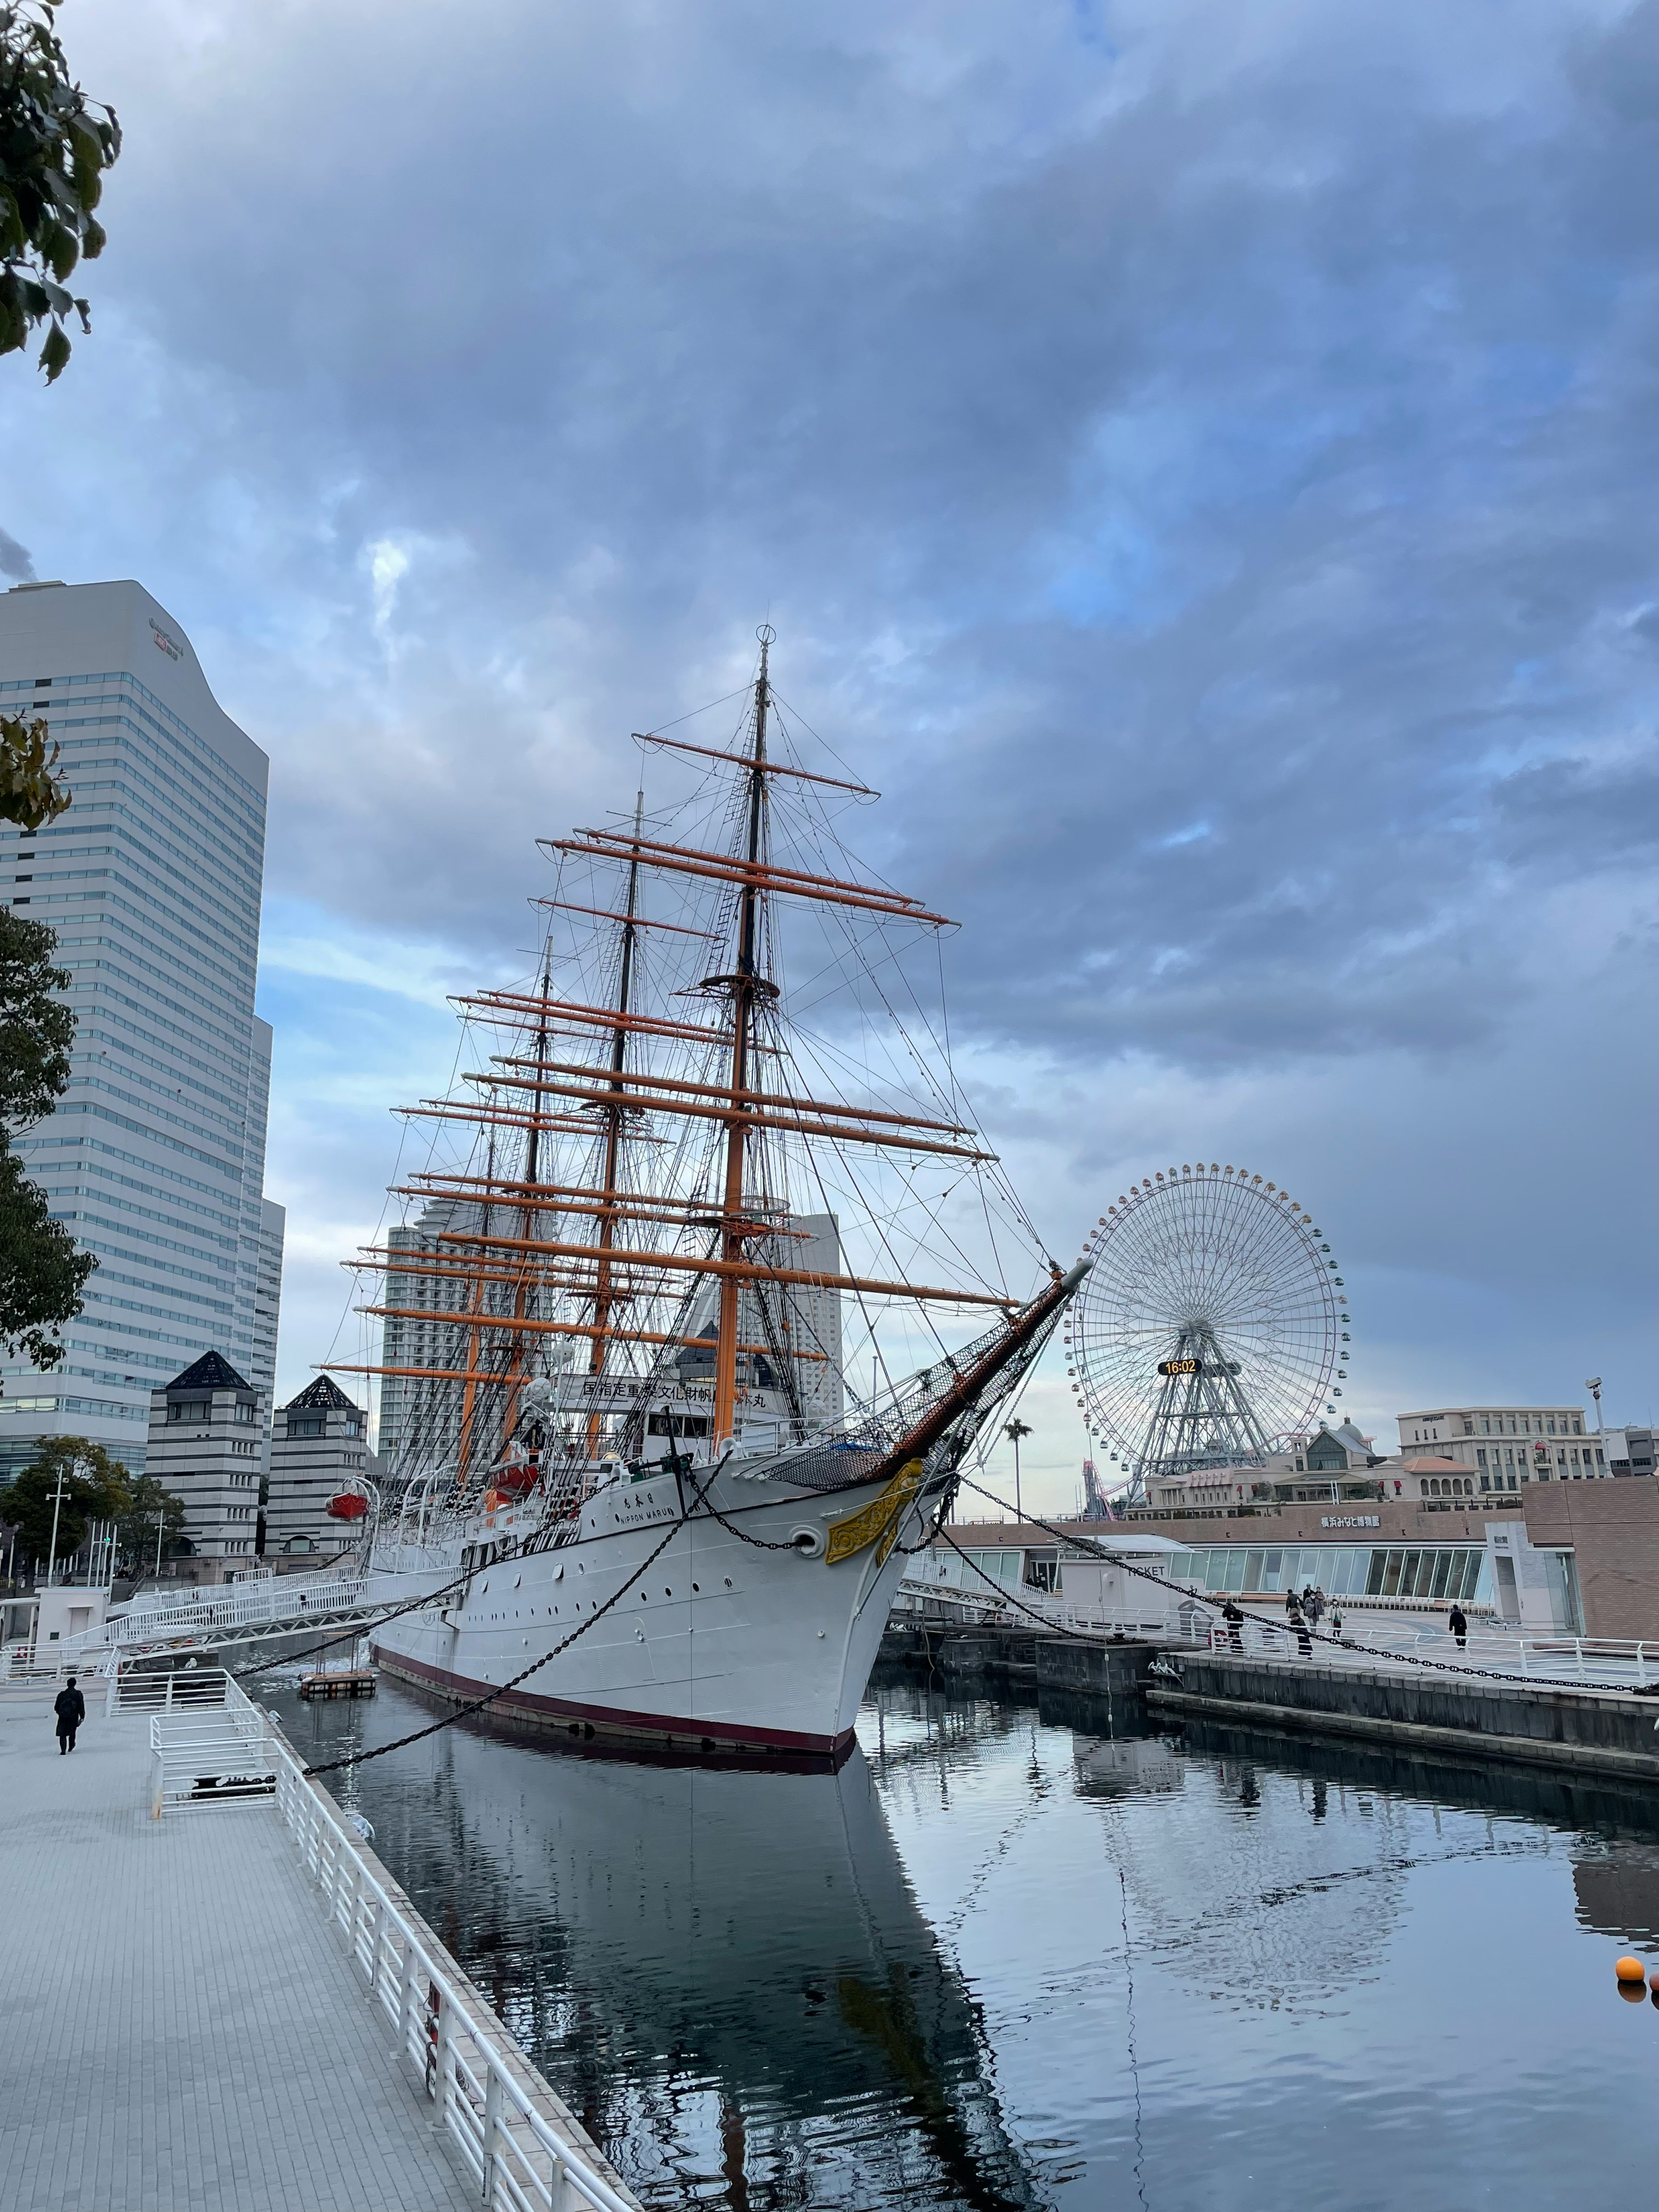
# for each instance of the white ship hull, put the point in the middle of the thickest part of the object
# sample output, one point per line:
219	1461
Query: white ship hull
722	1646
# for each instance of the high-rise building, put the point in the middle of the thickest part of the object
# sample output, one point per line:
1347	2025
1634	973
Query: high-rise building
268	1298
419	1420
155	1157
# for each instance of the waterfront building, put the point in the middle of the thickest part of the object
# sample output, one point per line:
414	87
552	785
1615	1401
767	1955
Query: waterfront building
206	1445
318	1444
1503	1447
1629	1451
155	1157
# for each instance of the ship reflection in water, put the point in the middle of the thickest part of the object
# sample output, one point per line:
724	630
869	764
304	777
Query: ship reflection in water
1012	1956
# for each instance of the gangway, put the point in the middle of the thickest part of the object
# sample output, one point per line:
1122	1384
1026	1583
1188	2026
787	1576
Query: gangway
248	1612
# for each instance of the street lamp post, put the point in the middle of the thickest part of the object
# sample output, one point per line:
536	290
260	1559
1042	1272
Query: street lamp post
1593	1384
1014	1430
57	1508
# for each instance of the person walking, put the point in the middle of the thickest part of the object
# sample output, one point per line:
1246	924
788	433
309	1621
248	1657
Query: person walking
1289	1603
1304	1641
1316	1606
1457	1621
70	1708
1235	1620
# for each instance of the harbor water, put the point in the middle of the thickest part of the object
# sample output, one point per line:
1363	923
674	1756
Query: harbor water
1024	1955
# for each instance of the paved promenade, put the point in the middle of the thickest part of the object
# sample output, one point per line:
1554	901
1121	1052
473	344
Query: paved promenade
179	2028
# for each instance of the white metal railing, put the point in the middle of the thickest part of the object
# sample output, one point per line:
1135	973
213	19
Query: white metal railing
1032	1608
1598	1662
485	2092
512	2150
131	1689
204	1756
233	1604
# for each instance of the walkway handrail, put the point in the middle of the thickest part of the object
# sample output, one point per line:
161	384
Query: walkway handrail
1599	1662
512	2151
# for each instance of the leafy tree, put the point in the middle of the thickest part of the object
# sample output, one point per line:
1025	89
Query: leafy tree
96	1488
54	149
42	1276
29	792
149	1505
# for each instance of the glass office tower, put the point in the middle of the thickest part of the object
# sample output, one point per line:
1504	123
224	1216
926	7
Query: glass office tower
155	1157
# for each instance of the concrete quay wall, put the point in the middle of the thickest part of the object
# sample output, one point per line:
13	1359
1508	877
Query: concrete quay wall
1604	1732
1103	1668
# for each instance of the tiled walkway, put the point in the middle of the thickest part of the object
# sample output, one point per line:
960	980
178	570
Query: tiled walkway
178	2025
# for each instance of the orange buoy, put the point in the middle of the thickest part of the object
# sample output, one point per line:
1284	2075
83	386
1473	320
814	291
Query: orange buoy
1630	1969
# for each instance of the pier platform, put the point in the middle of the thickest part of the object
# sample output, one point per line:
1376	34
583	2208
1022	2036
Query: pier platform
184	2025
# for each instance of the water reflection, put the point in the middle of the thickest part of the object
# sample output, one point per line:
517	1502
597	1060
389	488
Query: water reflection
1023	1952
724	1973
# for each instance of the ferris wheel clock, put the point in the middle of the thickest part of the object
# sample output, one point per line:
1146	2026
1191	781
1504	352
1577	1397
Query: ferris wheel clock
1211	1328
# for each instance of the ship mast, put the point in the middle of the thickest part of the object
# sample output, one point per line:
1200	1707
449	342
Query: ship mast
747	986
615	1115
638	1267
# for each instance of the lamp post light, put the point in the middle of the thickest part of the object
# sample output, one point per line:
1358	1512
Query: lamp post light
1593	1384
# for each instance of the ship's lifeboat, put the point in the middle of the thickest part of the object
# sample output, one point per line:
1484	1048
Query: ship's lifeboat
516	1481
347	1505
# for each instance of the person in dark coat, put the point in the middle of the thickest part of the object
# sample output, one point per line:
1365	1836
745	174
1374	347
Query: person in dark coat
1304	1641
70	1708
1457	1621
1235	1620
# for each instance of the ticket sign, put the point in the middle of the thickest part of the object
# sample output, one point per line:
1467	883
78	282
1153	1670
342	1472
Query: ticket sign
1181	1367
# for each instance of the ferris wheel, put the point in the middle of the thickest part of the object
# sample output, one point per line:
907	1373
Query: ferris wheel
1212	1326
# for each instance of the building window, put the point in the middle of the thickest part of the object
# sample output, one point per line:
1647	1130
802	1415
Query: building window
245	1409
307	1424
1485	1483
1480	1458
189	1409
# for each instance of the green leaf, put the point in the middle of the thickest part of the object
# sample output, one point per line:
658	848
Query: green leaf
93	238
54	355
62	249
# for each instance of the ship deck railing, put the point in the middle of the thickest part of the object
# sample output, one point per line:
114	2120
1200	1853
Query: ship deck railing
497	2114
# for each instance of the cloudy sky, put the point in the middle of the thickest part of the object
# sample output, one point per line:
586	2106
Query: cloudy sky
1199	458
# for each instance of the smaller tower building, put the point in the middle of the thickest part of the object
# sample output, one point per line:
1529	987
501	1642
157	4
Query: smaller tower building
318	1444
207	1445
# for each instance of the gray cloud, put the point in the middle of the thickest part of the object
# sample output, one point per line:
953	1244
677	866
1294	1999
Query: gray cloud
15	560
1197	459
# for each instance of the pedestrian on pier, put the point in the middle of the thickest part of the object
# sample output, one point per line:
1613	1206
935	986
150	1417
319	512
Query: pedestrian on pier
1235	1620
1457	1621
70	1708
1304	1641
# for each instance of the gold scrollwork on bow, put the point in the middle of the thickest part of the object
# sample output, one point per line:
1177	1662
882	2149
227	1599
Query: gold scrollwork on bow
877	1522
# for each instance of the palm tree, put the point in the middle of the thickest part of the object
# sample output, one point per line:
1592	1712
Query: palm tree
1014	1430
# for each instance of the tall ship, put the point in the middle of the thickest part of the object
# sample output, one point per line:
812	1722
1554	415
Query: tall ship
707	1286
